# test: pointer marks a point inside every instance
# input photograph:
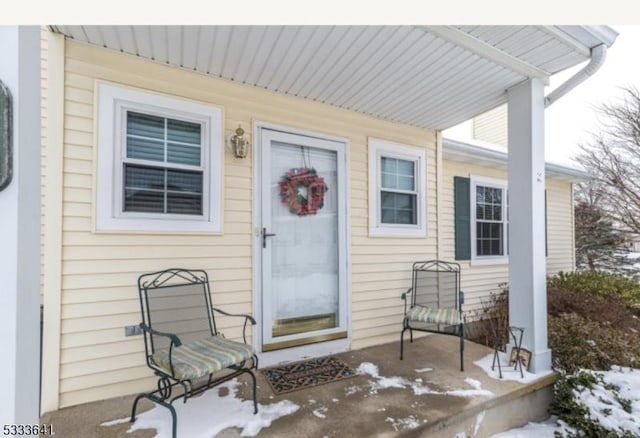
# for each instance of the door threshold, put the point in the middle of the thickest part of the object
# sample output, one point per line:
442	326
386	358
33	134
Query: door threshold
294	354
303	341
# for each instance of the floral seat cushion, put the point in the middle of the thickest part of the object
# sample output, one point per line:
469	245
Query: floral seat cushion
434	316
201	358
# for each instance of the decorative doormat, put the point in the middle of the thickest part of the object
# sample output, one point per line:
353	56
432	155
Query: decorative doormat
306	374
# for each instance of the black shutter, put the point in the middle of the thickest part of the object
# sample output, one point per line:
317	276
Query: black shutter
462	217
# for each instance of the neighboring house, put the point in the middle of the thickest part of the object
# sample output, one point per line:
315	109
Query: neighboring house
139	175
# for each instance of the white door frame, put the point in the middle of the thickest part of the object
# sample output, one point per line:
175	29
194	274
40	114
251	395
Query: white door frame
322	348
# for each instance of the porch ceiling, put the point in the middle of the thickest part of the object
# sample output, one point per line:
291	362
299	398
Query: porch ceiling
427	76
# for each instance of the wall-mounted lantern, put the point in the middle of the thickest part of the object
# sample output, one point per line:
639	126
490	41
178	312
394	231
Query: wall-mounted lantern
6	130
239	144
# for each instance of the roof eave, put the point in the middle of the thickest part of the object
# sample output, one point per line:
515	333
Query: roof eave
459	151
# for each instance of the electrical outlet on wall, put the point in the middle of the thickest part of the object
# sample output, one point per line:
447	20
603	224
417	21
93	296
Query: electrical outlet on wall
132	330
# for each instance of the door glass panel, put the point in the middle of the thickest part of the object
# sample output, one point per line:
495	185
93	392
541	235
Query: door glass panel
304	252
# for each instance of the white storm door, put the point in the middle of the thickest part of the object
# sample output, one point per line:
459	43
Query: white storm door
303	256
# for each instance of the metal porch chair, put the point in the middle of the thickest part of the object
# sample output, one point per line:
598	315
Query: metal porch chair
434	302
182	343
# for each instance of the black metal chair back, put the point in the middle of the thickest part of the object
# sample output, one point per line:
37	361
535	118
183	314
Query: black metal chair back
176	301
436	284
433	304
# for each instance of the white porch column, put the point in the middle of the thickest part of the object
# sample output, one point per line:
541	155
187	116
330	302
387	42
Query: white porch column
527	264
20	231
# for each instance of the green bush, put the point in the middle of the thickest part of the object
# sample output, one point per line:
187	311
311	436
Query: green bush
567	406
593	325
579	343
597	283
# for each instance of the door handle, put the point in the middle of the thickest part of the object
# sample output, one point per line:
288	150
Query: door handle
264	237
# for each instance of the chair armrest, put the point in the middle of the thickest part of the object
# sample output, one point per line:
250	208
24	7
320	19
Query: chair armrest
247	318
175	340
404	298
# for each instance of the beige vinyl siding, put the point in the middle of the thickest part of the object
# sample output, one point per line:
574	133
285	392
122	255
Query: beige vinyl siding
560	219
480	280
99	270
492	126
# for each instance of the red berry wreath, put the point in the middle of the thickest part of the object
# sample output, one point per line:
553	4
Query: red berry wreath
297	178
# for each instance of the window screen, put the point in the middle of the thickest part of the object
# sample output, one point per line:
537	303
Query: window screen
398	194
163	171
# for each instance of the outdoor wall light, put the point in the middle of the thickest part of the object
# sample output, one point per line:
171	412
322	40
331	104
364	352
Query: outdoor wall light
6	128
239	144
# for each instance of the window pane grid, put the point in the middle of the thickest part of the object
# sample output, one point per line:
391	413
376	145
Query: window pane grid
163	139
490	224
398	208
398	174
175	184
158	190
398	194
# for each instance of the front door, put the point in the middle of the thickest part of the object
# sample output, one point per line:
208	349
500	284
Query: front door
302	239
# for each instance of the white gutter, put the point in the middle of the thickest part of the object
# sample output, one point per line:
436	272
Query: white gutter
598	55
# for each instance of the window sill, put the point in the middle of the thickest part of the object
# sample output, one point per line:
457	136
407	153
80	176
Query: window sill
156	226
397	232
488	260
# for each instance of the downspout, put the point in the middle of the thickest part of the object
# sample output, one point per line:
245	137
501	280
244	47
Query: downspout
598	55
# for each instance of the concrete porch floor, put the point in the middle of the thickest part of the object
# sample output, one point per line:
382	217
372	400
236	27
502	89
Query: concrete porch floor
366	412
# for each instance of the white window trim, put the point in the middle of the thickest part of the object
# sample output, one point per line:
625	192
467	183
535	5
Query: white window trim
493	183
112	103
382	148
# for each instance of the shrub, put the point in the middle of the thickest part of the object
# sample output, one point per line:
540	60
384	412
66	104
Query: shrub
608	312
597	283
488	324
578	343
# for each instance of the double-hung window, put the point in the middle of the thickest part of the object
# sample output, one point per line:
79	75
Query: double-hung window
397	189
159	162
489	227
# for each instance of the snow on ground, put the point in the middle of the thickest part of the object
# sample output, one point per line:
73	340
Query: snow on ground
508	373
209	414
417	385
321	412
410	422
536	430
604	405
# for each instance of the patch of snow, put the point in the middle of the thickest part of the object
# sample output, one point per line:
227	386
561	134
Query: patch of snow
352	390
475	384
545	429
479	420
335	400
468	392
419	389
423	370
605	407
410	422
118	421
321	412
383	382
508	373
368	368
207	415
